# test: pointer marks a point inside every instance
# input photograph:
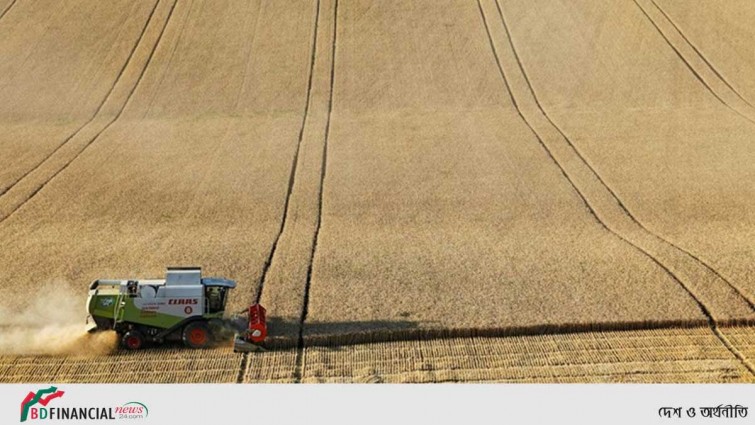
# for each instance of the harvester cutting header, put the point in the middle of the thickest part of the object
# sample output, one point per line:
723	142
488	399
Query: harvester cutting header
182	307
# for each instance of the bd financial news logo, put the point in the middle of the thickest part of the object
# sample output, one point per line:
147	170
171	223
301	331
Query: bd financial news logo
35	407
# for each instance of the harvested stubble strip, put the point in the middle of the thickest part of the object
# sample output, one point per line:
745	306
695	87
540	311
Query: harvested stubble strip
441	210
58	61
194	171
678	158
276	366
151	366
27	369
742	338
663	355
168	365
6	364
723	34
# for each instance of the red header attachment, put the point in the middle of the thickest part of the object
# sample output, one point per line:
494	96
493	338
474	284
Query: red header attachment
257	324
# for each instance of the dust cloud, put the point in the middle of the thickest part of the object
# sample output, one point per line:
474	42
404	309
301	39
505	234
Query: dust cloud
53	323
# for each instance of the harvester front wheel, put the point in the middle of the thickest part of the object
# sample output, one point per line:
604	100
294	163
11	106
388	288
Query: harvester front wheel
197	335
133	340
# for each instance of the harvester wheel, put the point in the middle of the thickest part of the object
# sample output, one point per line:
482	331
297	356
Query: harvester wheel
197	335
133	340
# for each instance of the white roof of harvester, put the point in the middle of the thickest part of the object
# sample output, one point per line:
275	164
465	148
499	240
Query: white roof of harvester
193	276
176	276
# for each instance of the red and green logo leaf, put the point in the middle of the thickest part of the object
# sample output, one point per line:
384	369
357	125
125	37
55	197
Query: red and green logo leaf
42	397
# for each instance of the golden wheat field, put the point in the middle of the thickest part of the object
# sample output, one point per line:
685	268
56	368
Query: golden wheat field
424	191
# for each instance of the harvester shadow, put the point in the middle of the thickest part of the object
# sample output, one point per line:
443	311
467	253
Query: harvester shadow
333	335
283	334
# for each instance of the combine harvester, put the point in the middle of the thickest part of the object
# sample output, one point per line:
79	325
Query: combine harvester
183	306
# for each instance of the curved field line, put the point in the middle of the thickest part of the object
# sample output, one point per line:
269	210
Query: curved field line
248	47
734	350
294	165
323	169
291	177
97	111
689	65
703	308
593	171
107	126
391	335
579	193
7	9
699	53
170	57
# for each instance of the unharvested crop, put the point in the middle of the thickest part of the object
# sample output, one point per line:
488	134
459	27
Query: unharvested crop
58	62
195	168
673	147
664	355
441	209
490	190
723	34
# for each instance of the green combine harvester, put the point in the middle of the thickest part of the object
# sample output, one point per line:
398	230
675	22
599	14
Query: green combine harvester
183	306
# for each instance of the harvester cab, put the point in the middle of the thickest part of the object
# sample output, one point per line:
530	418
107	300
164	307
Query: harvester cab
182	307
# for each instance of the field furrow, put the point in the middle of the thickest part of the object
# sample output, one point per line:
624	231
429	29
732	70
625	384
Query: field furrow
721	34
695	61
35	179
717	297
435	185
424	191
68	55
5	7
101	105
215	154
285	284
676	157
